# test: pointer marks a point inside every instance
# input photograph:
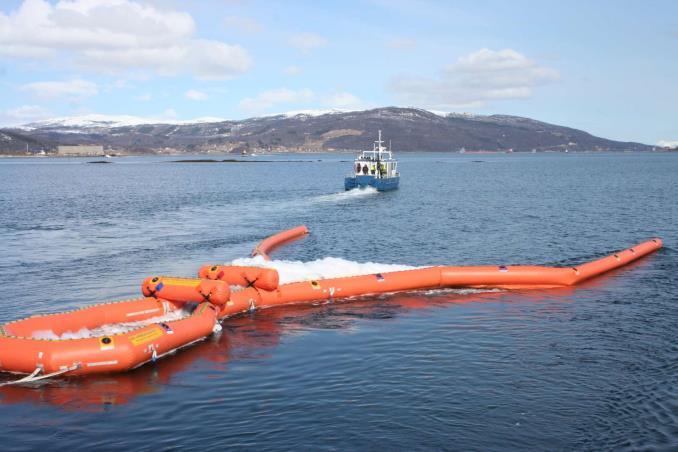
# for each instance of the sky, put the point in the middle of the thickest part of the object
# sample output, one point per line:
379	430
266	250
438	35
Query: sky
607	67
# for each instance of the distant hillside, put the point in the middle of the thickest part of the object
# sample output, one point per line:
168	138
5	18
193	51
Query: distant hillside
13	141
409	129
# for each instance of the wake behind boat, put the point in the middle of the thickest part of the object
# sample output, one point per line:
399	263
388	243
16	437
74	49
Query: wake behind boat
376	168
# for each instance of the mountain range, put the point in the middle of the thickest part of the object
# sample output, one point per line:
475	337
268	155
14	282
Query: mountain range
409	129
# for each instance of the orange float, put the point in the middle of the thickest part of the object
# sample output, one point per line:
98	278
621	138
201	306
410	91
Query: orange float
212	298
259	277
185	290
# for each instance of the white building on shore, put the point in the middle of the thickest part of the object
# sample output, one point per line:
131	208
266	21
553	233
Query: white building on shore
80	150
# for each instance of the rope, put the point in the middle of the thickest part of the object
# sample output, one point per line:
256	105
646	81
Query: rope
24	379
34	376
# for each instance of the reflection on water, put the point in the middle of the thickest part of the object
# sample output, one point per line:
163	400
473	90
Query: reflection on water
242	338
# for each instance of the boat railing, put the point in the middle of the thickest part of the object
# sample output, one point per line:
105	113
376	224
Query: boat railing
385	176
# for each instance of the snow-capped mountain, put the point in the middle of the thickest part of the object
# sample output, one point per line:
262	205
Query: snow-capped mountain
409	129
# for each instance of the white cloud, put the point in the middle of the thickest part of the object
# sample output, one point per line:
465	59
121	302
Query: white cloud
245	24
144	97
668	143
69	89
23	114
474	80
306	42
267	99
194	94
343	100
209	60
117	35
292	70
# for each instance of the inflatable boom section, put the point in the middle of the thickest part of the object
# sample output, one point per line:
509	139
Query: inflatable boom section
22	350
276	240
502	277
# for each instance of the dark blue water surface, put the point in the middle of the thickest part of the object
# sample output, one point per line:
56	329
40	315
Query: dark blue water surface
591	368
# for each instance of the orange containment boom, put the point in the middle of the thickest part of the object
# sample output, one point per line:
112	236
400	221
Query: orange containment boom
274	241
503	277
537	277
64	343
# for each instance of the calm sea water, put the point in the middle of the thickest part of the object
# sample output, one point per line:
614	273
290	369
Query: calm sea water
592	368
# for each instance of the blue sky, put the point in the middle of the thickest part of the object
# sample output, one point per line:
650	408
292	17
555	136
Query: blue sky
606	67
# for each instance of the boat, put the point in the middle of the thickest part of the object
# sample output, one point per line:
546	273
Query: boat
174	313
376	168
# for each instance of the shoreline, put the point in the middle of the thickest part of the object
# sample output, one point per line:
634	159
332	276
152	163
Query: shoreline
239	158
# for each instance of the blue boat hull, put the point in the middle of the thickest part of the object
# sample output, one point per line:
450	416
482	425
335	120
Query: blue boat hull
390	183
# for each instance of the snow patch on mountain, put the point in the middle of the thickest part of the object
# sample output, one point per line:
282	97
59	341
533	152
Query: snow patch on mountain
92	121
311	112
667	143
109	121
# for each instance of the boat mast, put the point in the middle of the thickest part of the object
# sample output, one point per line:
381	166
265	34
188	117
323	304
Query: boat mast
379	148
379	143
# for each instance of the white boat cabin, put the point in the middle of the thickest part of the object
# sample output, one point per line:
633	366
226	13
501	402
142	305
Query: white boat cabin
378	162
